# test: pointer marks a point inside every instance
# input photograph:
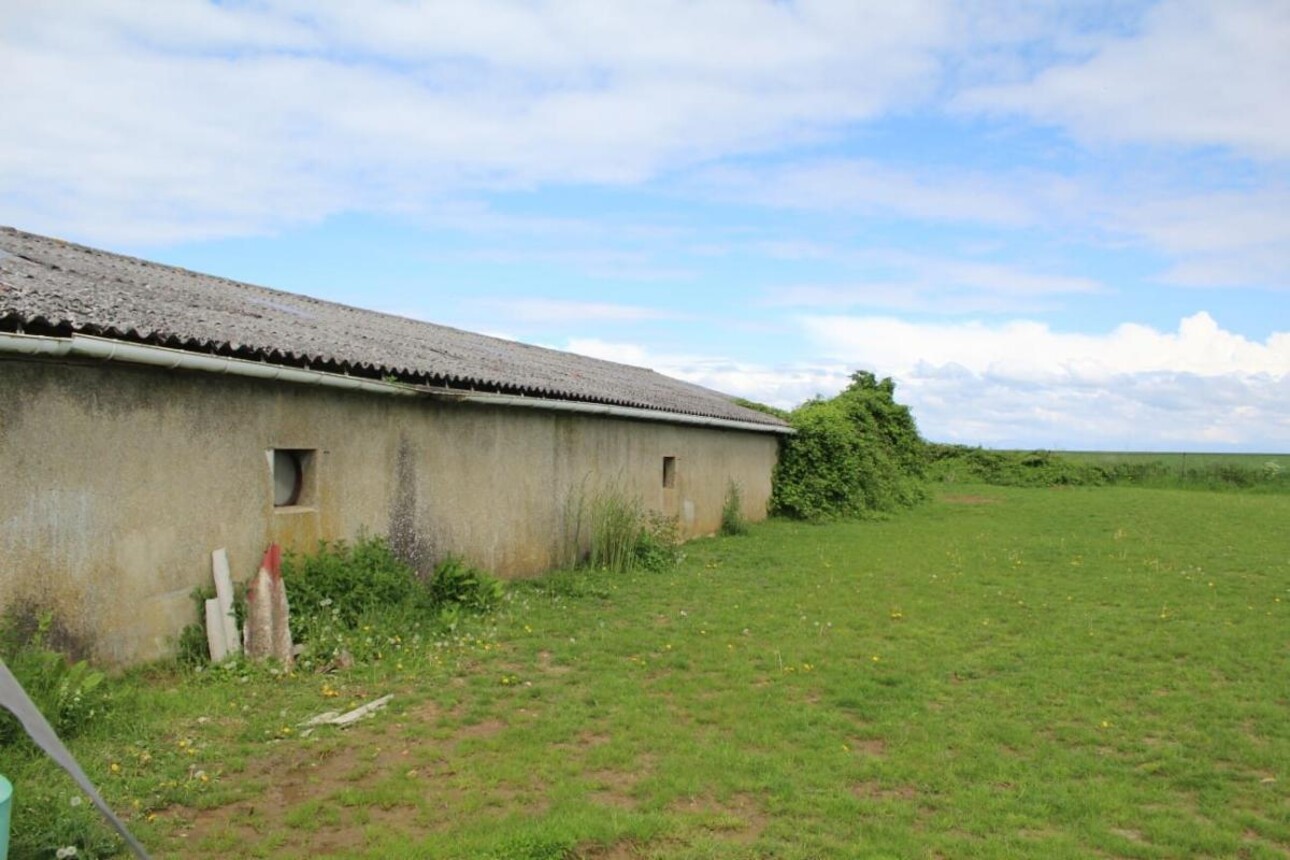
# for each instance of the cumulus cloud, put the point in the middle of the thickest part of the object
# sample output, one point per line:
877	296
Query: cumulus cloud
1022	385
1133	412
1032	351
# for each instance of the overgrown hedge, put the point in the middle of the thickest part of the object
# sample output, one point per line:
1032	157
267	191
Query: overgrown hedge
963	464
856	454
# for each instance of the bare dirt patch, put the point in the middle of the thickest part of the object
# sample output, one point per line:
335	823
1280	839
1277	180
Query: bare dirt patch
302	802
480	730
614	851
968	499
739	818
875	747
872	789
1129	834
615	787
301	776
546	664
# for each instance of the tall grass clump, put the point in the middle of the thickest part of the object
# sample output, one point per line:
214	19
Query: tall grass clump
732	510
611	529
856	454
616	522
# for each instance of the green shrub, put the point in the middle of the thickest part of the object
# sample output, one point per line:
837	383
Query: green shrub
347	581
456	583
344	587
732	510
71	694
855	454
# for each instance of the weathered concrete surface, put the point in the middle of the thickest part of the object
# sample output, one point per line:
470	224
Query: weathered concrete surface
117	482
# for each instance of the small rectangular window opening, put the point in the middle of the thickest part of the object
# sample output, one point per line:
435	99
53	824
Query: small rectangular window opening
669	472
291	476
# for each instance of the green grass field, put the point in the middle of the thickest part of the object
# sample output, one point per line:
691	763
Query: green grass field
1048	673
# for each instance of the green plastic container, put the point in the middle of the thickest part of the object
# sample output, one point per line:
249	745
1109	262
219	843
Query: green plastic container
6	803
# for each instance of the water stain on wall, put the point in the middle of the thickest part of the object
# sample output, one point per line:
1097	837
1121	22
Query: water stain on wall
406	540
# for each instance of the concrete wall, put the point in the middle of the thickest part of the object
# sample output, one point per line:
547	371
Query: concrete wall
116	483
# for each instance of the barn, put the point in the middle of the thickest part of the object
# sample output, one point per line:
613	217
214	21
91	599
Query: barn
150	414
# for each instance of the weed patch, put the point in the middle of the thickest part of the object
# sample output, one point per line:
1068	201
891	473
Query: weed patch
70	693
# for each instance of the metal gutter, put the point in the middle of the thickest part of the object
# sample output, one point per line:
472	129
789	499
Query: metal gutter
106	349
606	409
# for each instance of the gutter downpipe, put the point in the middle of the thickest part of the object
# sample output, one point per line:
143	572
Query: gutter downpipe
105	349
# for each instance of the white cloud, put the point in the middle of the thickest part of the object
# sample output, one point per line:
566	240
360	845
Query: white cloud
1197	73
147	124
784	386
623	353
208	119
1133	412
1032	351
1022	385
1215	239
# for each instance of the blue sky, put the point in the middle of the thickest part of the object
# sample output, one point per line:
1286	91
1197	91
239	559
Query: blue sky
1061	225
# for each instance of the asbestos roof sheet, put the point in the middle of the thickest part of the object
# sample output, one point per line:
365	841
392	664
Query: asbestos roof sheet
49	284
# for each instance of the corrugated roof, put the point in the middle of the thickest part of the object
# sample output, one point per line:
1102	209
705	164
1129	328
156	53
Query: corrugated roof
51	285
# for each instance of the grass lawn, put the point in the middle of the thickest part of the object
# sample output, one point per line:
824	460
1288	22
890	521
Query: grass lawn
1001	673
